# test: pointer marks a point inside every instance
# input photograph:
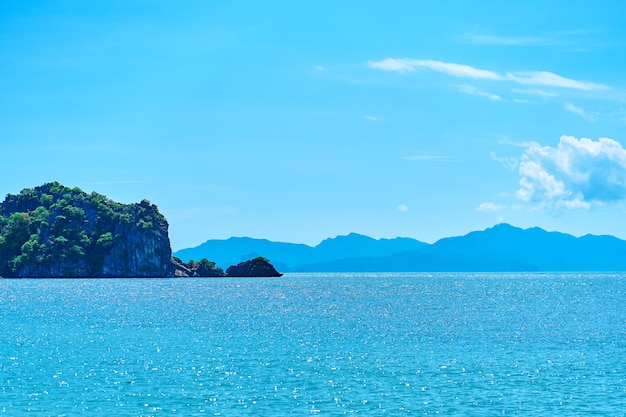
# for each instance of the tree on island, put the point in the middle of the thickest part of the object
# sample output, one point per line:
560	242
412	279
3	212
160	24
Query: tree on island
202	268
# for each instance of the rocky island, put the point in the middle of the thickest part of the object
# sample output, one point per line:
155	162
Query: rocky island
257	267
57	232
53	231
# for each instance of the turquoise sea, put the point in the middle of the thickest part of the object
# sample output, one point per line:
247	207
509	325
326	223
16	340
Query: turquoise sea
325	344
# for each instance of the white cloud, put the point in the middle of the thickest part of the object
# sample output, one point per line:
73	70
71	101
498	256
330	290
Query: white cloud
532	78
575	174
570	107
456	70
470	89
520	101
488	206
506	161
373	118
403	208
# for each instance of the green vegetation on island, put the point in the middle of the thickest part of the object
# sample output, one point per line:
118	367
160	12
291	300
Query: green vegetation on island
53	231
56	231
257	267
202	268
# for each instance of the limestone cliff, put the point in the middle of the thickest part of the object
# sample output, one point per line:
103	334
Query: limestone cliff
56	231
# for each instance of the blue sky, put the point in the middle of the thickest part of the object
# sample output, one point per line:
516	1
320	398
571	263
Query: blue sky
298	121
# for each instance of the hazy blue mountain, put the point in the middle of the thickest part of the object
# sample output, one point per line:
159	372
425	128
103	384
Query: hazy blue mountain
507	248
289	256
238	249
500	248
359	246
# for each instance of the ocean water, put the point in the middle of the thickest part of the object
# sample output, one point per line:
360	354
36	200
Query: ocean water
325	344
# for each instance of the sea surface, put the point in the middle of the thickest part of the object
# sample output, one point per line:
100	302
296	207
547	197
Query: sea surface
325	344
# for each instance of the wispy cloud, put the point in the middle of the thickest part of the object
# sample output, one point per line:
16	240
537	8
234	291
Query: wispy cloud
509	142
545	78
373	118
426	158
575	174
391	64
455	70
205	210
532	78
403	208
484	39
618	115
470	89
570	107
506	161
120	182
489	206
536	92
567	38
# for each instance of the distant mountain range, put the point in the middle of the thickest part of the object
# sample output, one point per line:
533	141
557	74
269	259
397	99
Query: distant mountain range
500	248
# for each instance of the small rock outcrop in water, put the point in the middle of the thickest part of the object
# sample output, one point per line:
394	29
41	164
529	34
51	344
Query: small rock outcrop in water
60	232
257	267
202	268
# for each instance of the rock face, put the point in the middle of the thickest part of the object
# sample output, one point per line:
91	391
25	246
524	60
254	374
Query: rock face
60	232
257	267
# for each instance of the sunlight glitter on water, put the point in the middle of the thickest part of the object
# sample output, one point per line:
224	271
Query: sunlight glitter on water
438	344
